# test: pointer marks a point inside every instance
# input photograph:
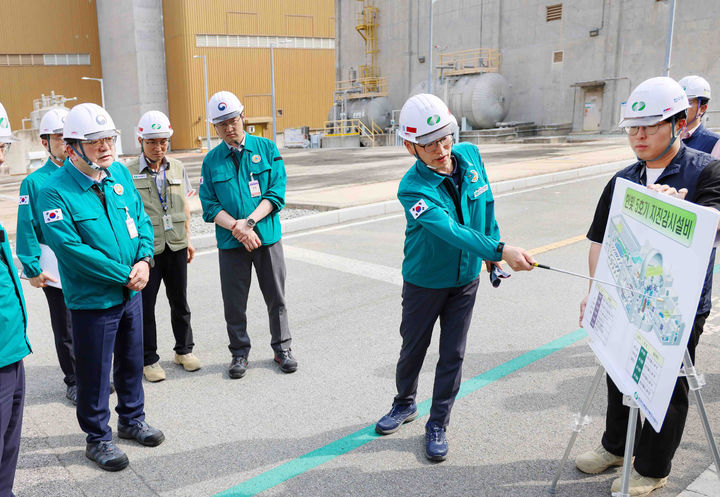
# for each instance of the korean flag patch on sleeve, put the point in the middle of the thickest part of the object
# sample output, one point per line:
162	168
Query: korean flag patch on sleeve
24	200
52	215
417	209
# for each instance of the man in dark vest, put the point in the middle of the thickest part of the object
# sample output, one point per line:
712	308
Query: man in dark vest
696	135
164	186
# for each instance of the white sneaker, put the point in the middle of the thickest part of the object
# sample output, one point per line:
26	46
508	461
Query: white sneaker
188	361
639	485
154	372
598	460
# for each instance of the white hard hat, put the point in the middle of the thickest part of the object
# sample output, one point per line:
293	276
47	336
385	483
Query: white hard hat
695	86
652	101
88	122
222	106
425	118
154	124
53	121
6	135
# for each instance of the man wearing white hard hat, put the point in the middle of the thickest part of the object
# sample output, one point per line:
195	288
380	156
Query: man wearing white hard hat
451	229
654	117
164	185
242	189
38	260
696	135
94	221
14	345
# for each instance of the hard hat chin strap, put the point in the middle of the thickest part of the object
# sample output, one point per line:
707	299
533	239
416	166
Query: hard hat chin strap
697	115
49	149
81	154
674	137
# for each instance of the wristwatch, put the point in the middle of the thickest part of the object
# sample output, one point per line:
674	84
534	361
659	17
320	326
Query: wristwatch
250	222
149	260
500	247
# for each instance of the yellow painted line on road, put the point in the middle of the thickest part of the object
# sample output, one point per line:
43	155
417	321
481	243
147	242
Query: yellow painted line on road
552	246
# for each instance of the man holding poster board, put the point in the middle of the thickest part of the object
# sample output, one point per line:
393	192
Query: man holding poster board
660	247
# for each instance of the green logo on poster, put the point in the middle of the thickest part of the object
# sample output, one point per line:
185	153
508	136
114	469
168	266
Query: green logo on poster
433	119
638	106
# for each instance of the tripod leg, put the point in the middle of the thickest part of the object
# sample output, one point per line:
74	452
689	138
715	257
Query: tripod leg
695	382
629	445
581	420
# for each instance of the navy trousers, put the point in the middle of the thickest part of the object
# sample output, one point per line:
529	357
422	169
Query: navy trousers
12	399
653	451
97	334
421	308
62	331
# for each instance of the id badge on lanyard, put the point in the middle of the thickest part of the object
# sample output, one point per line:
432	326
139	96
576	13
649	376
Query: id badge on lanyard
254	186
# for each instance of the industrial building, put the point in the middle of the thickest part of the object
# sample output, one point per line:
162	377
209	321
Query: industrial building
145	52
568	64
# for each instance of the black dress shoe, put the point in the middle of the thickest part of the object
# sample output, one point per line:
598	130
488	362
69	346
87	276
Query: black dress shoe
238	367
71	394
142	432
107	455
287	362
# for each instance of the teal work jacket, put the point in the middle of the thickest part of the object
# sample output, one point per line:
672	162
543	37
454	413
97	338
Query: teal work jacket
92	243
14	344
29	233
225	187
443	249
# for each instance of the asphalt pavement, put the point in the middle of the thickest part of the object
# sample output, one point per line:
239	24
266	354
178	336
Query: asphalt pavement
526	372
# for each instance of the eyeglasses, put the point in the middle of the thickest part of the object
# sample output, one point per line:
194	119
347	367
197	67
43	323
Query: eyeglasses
649	130
5	147
442	142
234	122
163	142
109	141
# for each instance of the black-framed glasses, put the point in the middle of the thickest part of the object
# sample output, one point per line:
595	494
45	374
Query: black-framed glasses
441	142
649	130
163	142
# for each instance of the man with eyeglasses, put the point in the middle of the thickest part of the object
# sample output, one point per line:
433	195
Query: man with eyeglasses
696	135
38	260
654	117
242	189
93	219
164	185
14	344
451	229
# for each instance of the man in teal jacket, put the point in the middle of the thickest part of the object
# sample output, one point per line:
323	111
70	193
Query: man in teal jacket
14	345
451	229
38	260
242	189
93	219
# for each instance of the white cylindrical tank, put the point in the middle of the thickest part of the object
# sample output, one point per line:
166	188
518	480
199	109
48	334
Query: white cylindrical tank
483	99
369	110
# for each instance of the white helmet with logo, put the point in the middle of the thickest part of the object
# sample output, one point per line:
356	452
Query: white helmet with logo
88	122
425	118
652	101
6	135
695	87
53	121
154	124
222	106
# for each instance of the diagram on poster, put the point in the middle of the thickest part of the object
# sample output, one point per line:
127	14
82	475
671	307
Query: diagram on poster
657	249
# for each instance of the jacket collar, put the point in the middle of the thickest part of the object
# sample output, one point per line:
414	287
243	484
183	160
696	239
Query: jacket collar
434	178
82	179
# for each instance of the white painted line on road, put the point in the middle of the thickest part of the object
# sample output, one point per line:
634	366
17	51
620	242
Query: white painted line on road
8	197
344	264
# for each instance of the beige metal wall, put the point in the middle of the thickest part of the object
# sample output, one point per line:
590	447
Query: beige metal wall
47	27
304	78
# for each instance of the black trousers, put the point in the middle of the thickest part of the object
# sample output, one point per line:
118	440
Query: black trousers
653	451
421	308
62	331
12	400
170	268
235	277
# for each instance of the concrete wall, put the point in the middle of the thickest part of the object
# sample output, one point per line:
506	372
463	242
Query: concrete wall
133	63
629	48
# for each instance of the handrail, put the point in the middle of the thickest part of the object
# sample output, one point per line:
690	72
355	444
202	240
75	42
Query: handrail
351	127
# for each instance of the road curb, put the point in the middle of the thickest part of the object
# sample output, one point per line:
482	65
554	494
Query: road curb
347	214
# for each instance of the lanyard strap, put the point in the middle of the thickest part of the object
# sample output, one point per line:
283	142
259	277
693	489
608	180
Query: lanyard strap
163	197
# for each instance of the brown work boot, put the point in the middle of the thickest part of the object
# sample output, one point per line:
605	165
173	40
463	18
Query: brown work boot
639	485
154	372
598	460
188	361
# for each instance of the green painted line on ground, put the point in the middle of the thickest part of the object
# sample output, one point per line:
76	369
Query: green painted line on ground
311	460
